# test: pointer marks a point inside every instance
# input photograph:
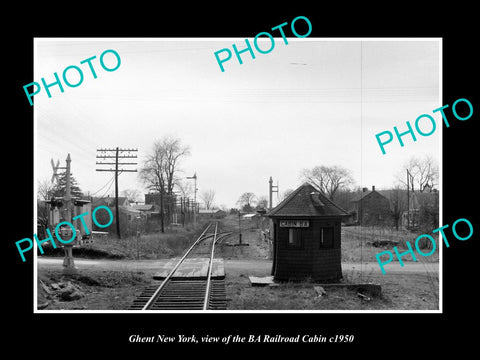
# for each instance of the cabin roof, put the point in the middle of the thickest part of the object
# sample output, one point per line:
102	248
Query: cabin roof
307	201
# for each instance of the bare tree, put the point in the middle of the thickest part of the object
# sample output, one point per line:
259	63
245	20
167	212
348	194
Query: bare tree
160	166
132	195
174	152
185	188
246	201
262	202
45	189
427	174
207	197
420	174
328	179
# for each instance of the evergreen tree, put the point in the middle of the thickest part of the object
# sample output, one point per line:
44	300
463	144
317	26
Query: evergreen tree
61	185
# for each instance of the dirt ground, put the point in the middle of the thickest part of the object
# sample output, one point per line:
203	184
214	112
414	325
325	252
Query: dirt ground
114	288
99	289
399	292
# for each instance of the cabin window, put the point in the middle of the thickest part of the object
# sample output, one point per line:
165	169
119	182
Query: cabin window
294	237
326	237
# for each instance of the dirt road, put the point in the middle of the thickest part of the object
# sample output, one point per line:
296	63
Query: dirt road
254	267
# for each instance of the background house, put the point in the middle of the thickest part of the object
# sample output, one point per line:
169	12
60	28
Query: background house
110	201
211	214
130	218
371	208
147	211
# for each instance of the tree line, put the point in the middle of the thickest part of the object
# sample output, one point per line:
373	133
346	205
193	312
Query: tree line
416	176
160	173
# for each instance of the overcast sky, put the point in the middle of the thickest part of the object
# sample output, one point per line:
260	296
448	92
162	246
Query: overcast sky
311	102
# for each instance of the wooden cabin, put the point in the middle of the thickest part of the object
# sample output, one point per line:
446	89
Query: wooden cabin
306	236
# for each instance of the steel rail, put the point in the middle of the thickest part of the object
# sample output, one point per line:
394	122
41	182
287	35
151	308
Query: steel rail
222	236
170	274
206	301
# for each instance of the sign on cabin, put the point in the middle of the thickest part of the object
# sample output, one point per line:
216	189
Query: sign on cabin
295	223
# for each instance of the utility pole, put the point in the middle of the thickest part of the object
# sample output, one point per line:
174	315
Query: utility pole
68	191
271	189
107	154
239	228
194	177
408	200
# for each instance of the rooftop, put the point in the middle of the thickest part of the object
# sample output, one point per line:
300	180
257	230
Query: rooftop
365	193
209	211
307	201
149	207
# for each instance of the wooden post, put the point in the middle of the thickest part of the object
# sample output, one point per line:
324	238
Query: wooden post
116	170
116	195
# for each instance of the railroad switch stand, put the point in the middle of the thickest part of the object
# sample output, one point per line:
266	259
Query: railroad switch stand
69	267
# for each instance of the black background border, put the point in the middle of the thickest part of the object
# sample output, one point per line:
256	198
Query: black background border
393	333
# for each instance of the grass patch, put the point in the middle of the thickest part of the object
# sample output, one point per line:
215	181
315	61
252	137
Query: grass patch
358	243
172	243
402	292
296	296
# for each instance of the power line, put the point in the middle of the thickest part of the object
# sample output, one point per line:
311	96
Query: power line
106	192
109	181
119	154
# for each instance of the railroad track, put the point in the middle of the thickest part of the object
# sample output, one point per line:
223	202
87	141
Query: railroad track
202	293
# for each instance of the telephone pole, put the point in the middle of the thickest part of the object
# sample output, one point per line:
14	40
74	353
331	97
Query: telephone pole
119	154
408	199
194	177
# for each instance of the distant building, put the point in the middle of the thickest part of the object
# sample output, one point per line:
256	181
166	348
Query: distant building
110	201
251	216
144	208
253	220
128	214
172	210
211	213
153	198
148	211
370	208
